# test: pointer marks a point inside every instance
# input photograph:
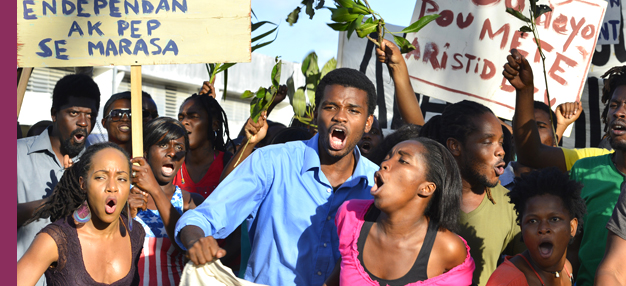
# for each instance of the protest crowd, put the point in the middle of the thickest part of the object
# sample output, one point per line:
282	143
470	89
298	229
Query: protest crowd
464	198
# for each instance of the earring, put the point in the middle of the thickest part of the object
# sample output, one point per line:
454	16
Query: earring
82	214
215	134
130	219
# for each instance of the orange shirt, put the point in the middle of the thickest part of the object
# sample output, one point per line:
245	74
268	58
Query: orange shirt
507	275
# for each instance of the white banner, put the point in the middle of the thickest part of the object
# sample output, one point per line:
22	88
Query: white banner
610	30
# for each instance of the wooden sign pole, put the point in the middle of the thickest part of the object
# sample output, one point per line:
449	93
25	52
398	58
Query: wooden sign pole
24	75
136	111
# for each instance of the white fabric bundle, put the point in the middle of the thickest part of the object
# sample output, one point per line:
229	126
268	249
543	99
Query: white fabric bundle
211	274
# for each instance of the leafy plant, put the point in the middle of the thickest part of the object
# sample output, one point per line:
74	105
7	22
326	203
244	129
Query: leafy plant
292	18
349	15
535	12
215	68
262	99
298	97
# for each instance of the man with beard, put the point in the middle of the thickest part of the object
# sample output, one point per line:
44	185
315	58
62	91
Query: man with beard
473	134
289	193
602	176
42	159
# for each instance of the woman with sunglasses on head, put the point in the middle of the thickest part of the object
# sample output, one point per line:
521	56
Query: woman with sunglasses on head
404	235
91	241
165	143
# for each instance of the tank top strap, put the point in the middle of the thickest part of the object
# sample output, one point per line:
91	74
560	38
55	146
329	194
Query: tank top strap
531	267
421	263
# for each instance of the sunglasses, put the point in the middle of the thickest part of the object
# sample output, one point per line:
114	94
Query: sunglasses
117	114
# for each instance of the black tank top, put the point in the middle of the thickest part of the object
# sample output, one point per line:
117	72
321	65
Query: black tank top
419	270
70	268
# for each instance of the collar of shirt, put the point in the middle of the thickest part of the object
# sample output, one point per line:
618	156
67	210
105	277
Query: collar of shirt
42	143
312	162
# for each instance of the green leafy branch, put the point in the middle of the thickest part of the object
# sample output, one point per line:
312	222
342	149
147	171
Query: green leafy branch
303	112
214	68
292	18
349	15
263	98
531	27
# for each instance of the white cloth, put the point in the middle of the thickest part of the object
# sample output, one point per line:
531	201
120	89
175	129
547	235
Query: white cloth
211	274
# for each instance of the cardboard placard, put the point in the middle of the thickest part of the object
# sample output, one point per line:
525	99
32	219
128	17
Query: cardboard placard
59	33
466	63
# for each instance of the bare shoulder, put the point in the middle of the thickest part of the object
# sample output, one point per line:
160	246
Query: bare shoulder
451	247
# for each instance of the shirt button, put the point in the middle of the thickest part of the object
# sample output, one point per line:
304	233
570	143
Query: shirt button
319	273
324	244
328	190
328	218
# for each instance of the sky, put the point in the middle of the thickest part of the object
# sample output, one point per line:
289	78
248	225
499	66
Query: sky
293	43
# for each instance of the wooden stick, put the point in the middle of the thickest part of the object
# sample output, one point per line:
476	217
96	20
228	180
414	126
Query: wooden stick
21	87
136	111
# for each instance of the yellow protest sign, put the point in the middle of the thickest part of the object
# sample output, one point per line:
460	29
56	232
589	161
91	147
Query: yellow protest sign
57	33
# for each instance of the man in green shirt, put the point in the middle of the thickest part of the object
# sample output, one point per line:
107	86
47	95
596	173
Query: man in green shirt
473	134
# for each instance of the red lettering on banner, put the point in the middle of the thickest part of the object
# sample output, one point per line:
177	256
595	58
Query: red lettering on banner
485	2
434	7
460	66
506	86
575	28
416	52
515	43
560	24
430	55
588	32
557	68
445	18
518	5
469	62
503	30
544	46
464	24
545	19
489	70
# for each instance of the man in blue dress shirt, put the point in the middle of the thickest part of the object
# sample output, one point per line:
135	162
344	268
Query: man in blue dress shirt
290	193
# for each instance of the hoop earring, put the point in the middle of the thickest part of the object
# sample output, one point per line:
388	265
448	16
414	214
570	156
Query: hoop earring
215	134
82	214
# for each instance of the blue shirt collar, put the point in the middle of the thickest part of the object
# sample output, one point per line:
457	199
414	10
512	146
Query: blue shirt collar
312	160
42	143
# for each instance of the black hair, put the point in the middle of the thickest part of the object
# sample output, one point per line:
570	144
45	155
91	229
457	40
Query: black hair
441	169
161	130
68	195
78	86
545	108
215	111
38	128
548	181
406	132
113	98
348	78
290	134
455	122
616	78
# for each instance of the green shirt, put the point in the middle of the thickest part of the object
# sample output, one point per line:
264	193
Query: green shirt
489	230
602	183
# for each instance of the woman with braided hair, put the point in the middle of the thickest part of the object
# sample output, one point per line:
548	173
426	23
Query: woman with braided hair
90	241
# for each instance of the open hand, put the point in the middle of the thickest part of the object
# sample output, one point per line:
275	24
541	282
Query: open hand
518	71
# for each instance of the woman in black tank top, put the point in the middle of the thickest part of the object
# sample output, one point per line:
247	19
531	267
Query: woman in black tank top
405	236
90	242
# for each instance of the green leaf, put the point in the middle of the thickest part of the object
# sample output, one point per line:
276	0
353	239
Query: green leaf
320	5
355	25
225	84
224	66
404	45
291	89
310	91
257	25
541	9
276	74
339	26
247	94
344	3
258	46
329	66
255	109
309	8
299	102
292	18
309	65
263	35
366	29
525	29
261	93
342	15
517	15
359	9
419	24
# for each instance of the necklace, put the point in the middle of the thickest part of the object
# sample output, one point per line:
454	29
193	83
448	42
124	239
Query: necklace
556	273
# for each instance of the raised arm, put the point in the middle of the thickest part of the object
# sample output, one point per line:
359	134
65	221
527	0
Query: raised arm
566	114
255	132
611	270
39	256
530	151
389	54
